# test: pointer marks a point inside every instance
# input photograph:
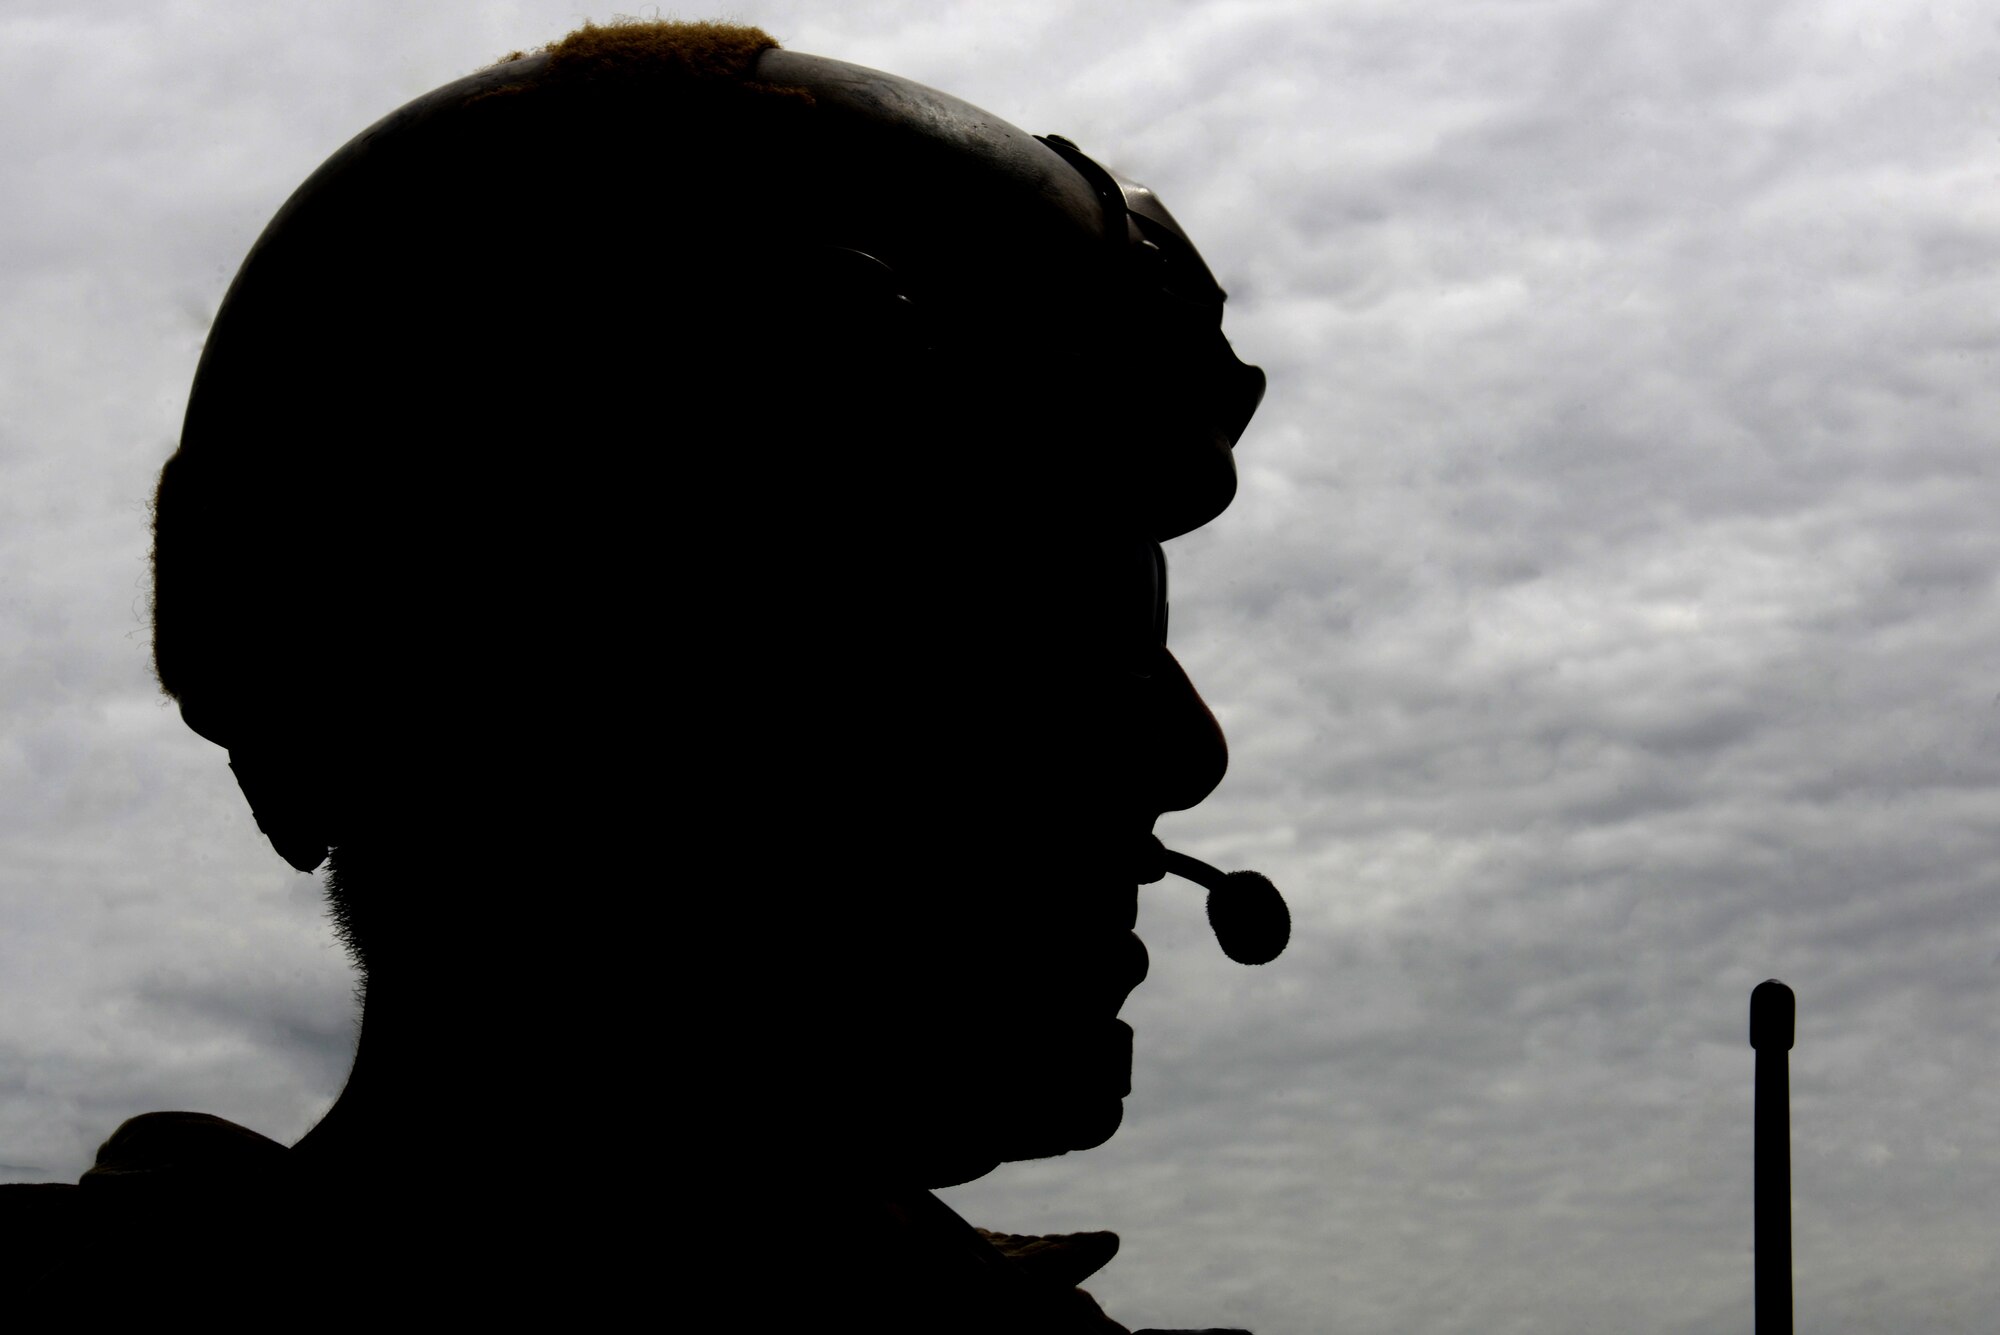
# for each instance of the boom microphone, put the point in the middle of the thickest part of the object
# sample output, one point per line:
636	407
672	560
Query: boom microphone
1251	922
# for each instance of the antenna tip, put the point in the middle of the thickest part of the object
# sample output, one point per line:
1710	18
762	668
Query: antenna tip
1773	1016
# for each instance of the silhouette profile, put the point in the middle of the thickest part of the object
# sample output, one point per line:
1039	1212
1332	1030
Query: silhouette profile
673	525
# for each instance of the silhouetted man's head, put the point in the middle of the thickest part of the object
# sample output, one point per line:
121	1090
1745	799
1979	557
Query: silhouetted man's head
678	519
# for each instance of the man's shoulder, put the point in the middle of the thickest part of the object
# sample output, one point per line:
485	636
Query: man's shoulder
160	1148
164	1184
37	1200
178	1208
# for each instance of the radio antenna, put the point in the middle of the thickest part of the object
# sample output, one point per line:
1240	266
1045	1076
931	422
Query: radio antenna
1773	1016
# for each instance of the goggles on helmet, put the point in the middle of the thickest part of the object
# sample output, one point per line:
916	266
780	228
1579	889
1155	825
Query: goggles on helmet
1177	300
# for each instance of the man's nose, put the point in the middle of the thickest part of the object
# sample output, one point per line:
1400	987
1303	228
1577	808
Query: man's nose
1188	752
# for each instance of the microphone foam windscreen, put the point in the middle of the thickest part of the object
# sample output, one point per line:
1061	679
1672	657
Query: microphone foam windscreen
1250	919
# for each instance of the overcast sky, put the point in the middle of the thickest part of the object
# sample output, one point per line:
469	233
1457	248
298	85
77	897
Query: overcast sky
1608	621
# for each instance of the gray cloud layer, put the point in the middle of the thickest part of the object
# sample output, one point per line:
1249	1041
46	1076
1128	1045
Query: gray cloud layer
1608	621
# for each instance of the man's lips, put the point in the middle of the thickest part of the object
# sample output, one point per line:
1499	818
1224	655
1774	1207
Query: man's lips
1135	964
1097	976
1150	866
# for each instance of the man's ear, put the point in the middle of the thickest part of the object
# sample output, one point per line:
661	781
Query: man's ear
283	813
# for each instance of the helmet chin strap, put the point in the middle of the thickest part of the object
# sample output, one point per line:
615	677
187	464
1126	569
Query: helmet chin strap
1251	922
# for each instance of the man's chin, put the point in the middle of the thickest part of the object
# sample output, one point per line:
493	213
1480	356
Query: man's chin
1086	1130
1035	1104
958	1171
1092	1129
1090	1113
1083	1126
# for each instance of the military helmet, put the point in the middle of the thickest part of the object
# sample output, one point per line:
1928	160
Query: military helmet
442	333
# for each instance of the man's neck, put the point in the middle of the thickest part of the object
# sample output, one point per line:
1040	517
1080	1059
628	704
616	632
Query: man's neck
499	1025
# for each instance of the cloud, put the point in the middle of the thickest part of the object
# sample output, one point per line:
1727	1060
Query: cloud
1606	622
